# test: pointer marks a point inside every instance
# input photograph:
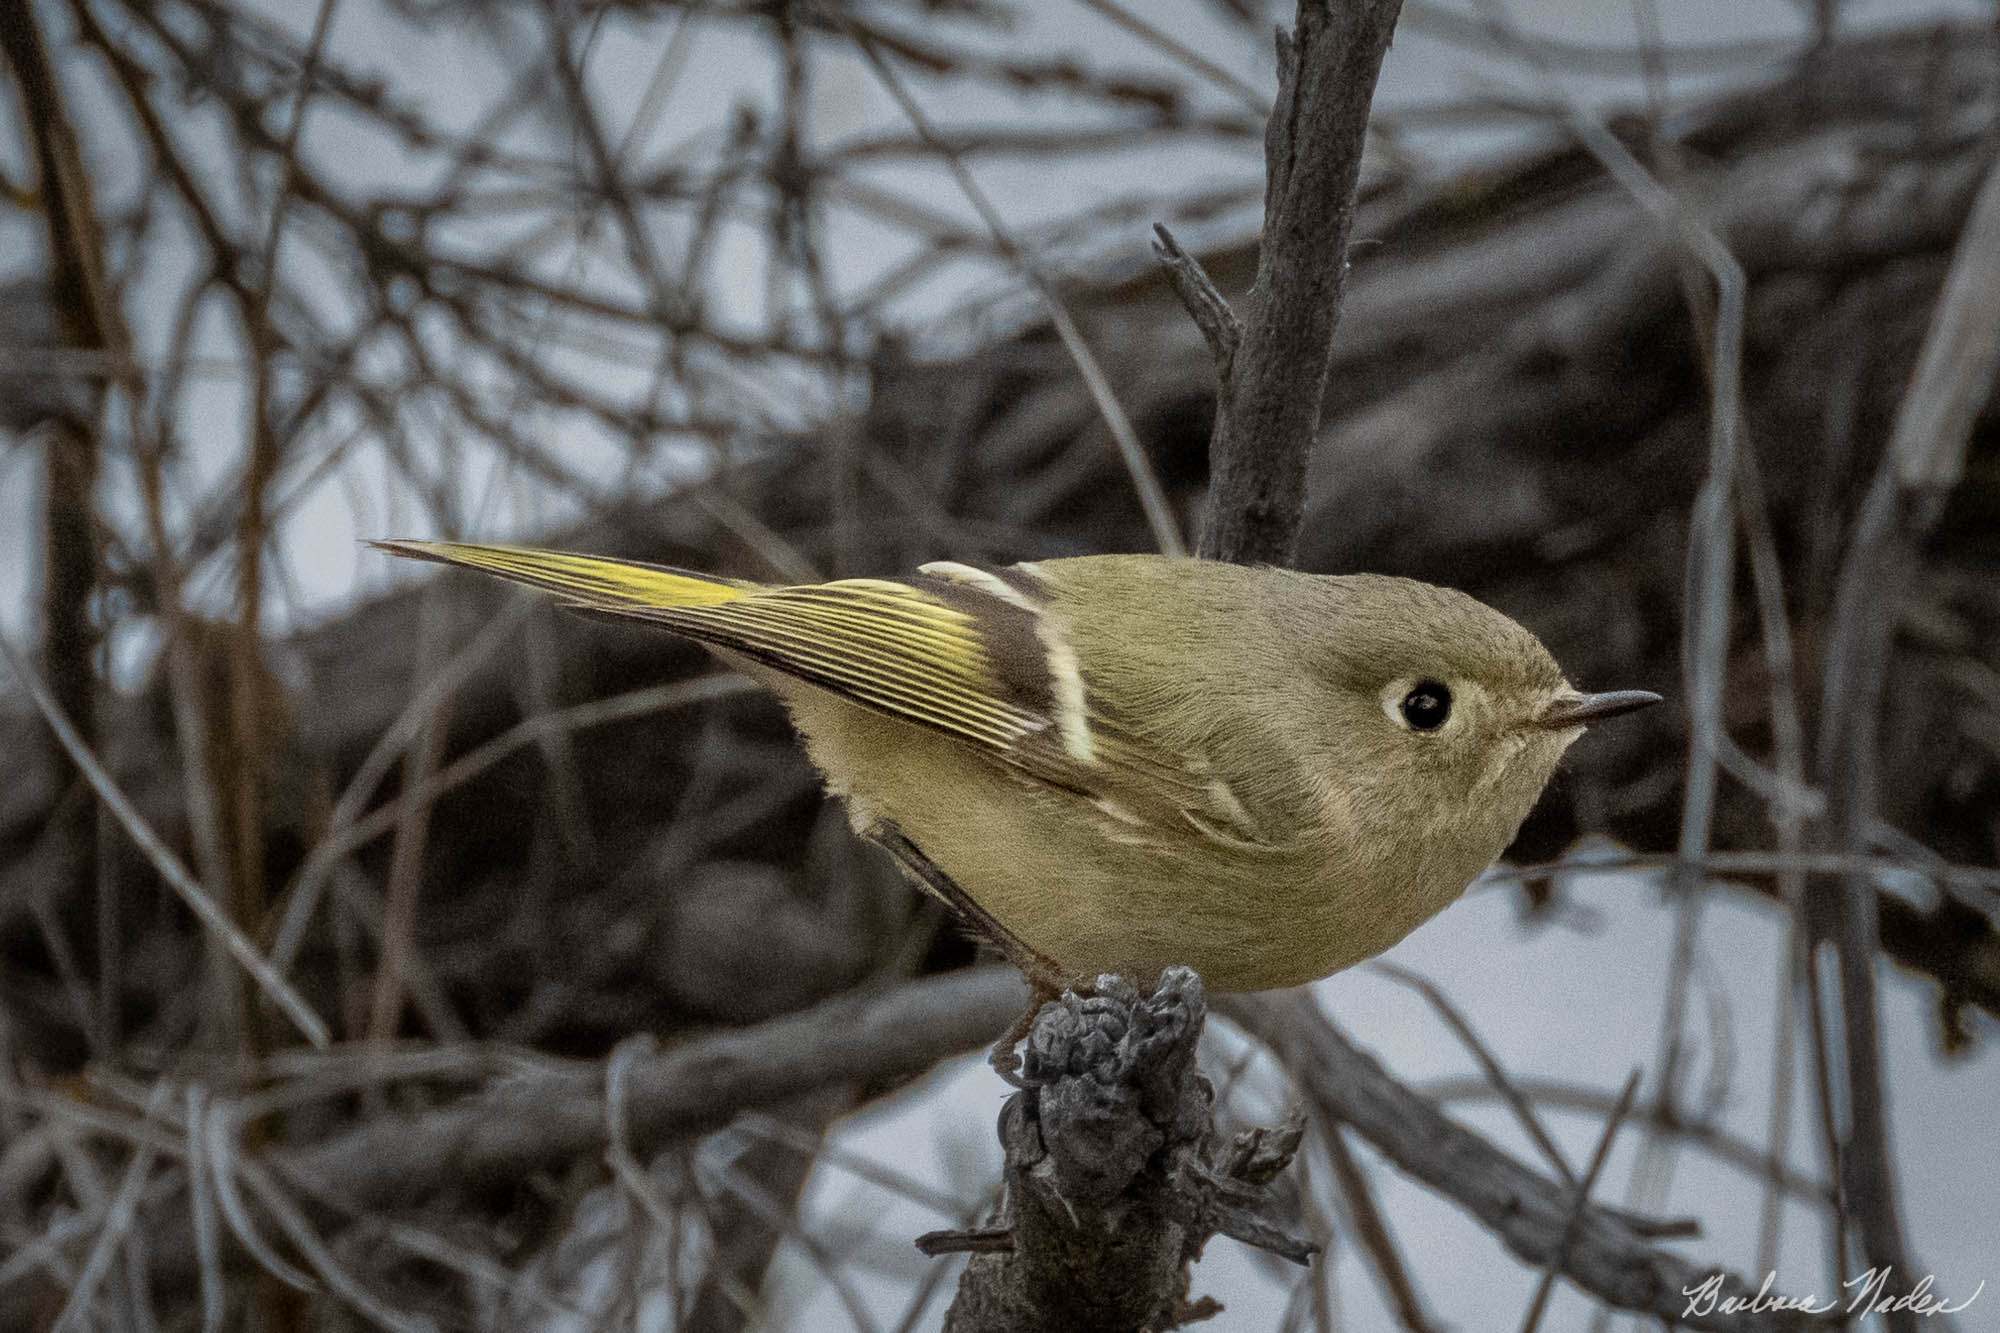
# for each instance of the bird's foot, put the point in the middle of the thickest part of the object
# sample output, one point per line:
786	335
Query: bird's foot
1045	984
1004	1058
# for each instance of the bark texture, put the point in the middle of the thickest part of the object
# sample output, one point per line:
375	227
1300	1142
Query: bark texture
1115	1177
1271	385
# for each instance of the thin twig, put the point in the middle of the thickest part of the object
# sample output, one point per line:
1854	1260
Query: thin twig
1533	1319
1373	1231
169	866
301	897
1706	1136
117	1226
1528	1212
223	1156
1489	1064
202	1215
642	702
1788	819
1208	307
970	1240
1253	101
299	1231
1159	514
406	855
84	307
1710	561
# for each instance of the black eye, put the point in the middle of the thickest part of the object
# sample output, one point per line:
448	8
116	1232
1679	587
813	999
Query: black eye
1427	705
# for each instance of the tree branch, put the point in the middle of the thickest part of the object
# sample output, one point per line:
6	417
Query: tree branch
1268	406
1541	1220
79	293
1115	1179
1116	1130
1924	461
547	1119
1110	1193
525	1123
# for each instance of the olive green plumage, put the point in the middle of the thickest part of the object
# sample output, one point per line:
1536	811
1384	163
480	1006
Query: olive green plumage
1129	762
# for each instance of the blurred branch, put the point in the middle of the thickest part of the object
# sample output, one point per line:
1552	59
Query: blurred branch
1706	637
531	1121
1703	1135
1539	1219
406	856
744	1241
1581	1200
1924	461
245	738
1489	1064
198	899
1268	404
88	321
550	1115
1166	527
1170	45
1471	33
1371	1229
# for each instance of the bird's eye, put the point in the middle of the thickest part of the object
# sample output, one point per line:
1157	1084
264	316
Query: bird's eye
1427	705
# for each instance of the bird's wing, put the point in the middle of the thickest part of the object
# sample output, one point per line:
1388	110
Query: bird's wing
968	652
588	582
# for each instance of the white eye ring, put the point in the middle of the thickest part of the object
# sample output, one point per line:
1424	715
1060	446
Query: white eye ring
1436	694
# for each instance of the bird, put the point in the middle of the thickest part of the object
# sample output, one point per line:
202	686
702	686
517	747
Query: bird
1114	764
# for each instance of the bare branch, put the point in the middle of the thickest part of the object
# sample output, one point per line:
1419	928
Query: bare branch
1925	459
79	295
1536	1307
1372	1229
1529	1213
1489	1064
176	874
1210	310
529	1121
1115	1180
1268	415
1159	515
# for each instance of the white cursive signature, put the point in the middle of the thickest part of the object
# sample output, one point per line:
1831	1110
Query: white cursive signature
1868	1294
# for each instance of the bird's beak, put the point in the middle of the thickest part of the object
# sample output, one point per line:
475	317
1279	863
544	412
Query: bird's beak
1580	710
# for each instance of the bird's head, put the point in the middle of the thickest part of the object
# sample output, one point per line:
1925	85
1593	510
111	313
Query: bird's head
1456	715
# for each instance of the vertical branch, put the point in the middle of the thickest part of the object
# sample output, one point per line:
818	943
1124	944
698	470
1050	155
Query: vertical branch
249	720
406	857
1364	1217
1269	395
192	724
80	294
1111	1186
1924	460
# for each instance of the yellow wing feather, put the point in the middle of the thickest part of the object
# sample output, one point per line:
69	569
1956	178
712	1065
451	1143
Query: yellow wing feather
883	644
591	581
926	657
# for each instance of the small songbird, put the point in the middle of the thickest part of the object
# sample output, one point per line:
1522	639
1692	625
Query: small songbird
1119	763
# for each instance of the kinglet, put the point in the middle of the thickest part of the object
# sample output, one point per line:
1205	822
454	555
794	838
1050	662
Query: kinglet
1118	763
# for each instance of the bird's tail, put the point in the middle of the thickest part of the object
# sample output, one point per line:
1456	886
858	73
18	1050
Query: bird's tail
584	582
